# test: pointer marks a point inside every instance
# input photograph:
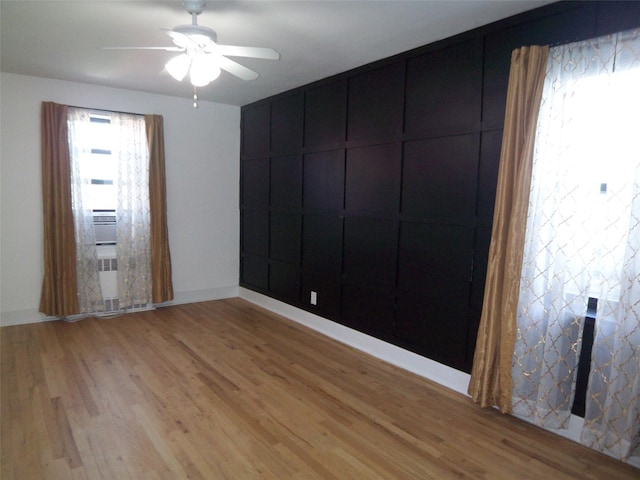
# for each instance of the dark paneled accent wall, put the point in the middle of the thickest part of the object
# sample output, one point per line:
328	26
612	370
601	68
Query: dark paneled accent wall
375	188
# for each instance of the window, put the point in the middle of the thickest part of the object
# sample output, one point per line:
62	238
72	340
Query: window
70	282
102	167
582	247
583	180
110	191
102	171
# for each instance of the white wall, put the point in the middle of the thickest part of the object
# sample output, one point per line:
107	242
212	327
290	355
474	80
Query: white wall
202	166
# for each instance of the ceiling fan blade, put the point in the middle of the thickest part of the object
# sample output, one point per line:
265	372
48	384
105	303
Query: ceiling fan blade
253	52
168	49
236	69
180	39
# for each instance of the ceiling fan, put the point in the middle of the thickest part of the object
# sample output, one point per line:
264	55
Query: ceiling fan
201	56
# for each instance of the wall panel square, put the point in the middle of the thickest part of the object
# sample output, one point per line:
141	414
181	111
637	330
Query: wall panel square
323	180
328	290
373	179
286	124
434	329
284	282
368	311
255	131
376	103
325	114
436	261
370	249
254	271
440	177
285	236
444	88
286	181
255	231
322	243
255	182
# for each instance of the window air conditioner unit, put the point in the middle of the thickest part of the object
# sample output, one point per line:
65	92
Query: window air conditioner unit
104	223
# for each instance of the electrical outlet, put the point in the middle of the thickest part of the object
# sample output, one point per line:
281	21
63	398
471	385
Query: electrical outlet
314	298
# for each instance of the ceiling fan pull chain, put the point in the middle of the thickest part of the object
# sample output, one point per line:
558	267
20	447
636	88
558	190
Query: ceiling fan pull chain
195	97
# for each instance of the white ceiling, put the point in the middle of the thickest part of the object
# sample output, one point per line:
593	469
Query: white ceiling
316	38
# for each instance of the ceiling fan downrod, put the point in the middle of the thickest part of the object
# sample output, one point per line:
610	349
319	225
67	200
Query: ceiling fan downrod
195	8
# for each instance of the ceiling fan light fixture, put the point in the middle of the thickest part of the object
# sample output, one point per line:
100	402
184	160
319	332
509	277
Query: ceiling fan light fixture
204	70
178	66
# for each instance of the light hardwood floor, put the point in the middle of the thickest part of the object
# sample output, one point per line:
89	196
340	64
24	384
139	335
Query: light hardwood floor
227	390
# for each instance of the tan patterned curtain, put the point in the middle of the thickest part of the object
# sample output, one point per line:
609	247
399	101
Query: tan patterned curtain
59	292
162	287
491	373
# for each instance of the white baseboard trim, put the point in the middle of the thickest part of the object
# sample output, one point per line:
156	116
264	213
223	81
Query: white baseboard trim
206	295
21	317
424	367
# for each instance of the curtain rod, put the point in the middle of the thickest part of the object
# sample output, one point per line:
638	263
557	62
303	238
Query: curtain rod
107	110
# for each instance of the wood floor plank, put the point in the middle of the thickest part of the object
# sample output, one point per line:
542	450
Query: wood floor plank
227	390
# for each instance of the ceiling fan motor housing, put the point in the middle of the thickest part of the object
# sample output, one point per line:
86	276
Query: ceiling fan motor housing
194	6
